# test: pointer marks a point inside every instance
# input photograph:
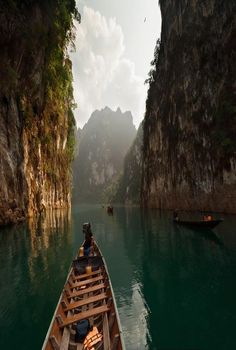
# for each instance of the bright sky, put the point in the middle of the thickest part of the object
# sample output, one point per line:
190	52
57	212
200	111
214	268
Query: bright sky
114	47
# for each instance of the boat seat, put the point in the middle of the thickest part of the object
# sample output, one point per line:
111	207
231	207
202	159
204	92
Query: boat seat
85	275
85	314
85	282
86	301
87	290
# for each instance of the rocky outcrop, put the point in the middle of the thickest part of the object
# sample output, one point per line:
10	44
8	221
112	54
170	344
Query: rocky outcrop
190	123
36	121
104	141
129	185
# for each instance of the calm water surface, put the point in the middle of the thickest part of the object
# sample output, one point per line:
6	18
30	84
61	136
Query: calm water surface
175	288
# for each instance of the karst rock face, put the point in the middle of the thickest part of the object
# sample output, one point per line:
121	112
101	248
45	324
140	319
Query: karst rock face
36	121
103	144
190	124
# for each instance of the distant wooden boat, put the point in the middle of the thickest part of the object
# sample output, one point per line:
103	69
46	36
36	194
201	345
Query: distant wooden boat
198	223
87	300
110	210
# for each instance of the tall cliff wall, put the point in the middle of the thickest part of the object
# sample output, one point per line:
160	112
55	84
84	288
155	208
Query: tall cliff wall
190	123
36	97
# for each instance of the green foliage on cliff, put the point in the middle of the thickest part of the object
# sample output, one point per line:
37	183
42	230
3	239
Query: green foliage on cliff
36	100
58	67
37	70
154	64
71	136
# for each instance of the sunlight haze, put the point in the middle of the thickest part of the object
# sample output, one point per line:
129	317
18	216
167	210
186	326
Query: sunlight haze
114	46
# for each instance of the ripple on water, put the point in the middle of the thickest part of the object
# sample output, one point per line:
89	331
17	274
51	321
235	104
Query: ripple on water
133	313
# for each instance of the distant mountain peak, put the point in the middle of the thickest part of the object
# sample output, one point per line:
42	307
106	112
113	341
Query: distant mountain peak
104	142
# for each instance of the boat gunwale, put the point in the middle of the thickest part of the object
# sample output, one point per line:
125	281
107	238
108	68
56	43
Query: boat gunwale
113	298
57	306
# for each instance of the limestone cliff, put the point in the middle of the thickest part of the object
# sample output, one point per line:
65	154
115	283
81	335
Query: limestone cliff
36	119
190	123
128	187
104	141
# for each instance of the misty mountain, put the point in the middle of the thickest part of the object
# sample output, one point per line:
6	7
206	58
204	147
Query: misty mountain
104	142
128	187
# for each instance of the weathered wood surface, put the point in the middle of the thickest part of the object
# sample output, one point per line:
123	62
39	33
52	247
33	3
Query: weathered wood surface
87	290
79	277
83	315
86	301
85	282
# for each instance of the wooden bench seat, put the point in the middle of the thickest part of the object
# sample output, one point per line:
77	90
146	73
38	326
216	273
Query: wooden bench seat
83	315
86	301
85	275
85	282
86	290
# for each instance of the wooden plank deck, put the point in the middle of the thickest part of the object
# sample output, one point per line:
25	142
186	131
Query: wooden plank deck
86	314
86	301
87	290
85	275
85	282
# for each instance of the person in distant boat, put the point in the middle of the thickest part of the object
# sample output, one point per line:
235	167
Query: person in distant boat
110	209
88	239
175	215
207	218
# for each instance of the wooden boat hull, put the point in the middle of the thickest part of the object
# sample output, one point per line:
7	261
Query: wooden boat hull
86	295
199	224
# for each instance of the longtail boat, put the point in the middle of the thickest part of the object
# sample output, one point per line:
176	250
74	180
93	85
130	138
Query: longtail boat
86	316
199	224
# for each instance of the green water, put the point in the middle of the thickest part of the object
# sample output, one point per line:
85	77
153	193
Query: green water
175	288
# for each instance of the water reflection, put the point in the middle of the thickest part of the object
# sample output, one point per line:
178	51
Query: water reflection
50	222
133	309
121	246
171	284
181	283
42	230
34	258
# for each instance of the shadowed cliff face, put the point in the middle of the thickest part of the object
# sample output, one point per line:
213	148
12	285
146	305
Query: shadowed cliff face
190	123
36	122
128	188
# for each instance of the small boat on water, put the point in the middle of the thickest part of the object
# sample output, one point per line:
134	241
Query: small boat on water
198	223
86	316
110	210
206	222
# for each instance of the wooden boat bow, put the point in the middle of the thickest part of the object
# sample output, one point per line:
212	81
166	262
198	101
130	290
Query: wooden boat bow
87	295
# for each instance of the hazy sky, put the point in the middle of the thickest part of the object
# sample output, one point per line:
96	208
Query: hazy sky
114	46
